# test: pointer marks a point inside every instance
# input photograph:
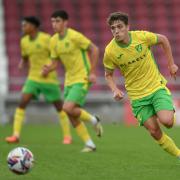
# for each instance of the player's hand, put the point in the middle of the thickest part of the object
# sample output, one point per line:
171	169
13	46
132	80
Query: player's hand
173	70
45	71
92	78
118	94
20	66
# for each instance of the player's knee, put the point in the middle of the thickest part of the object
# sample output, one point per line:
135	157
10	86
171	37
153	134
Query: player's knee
22	105
68	109
168	121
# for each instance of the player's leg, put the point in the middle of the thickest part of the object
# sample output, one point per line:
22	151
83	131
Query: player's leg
79	113
166	117
163	105
153	127
64	122
52	95
83	134
19	118
146	114
30	90
73	97
74	102
162	139
80	128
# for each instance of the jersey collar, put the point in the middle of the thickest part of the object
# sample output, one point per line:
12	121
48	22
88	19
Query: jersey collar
33	39
65	34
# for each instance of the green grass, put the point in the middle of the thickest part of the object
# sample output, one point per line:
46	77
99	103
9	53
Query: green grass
123	154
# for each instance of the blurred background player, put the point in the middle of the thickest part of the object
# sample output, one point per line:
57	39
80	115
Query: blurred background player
129	51
72	48
35	54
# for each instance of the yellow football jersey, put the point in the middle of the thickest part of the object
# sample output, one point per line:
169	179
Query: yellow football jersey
72	51
38	53
136	63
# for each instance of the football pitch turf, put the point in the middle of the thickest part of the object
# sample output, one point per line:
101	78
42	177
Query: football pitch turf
123	153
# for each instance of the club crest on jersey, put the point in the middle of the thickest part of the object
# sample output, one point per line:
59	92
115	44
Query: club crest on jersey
38	46
138	48
67	44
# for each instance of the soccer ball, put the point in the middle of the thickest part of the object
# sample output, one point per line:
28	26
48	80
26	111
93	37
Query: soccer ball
20	160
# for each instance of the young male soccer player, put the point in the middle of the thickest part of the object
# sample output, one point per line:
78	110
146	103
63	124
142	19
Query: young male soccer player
35	54
130	52
72	48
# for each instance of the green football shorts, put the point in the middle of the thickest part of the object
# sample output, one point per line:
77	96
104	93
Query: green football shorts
148	106
51	92
76	93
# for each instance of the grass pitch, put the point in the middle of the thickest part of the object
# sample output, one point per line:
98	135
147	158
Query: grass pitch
123	153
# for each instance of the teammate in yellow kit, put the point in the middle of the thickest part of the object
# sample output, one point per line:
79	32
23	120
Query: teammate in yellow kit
75	51
130	52
35	54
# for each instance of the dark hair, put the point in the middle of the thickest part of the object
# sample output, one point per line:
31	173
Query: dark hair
60	13
33	20
118	16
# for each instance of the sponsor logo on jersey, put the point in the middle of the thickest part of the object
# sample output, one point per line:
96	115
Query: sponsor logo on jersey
119	56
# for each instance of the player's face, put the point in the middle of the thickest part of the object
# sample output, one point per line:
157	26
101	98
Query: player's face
58	24
27	27
119	30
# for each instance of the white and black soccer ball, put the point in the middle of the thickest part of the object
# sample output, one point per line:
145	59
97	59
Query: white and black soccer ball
20	160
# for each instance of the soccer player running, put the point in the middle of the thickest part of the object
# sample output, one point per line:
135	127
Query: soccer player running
35	54
75	51
151	101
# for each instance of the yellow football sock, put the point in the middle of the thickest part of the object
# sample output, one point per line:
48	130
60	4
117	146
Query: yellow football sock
82	132
85	116
168	145
18	120
65	125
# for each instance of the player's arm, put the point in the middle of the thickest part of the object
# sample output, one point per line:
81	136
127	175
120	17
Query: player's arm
93	51
110	66
164	42
109	76
47	68
23	64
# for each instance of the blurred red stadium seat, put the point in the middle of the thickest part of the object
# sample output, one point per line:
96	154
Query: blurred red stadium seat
90	18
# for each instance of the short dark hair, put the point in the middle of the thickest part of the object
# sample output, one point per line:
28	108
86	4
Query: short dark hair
118	16
60	13
33	20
